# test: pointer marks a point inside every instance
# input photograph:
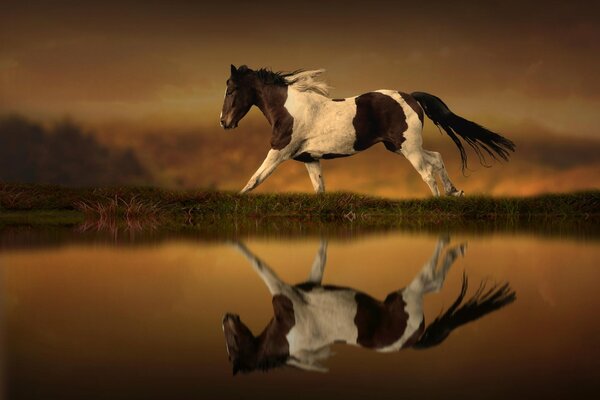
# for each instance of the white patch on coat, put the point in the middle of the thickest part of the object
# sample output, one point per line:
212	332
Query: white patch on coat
321	125
221	114
326	316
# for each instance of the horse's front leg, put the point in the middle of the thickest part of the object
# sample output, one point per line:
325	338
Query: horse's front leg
270	278
316	177
273	159
318	266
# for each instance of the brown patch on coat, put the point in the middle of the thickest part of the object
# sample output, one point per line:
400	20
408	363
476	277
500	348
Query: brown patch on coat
379	118
268	350
284	312
414	104
329	156
307	157
309	286
271	100
380	324
304	157
273	349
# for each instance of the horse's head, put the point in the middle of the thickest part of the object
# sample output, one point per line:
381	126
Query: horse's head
266	351
240	95
241	344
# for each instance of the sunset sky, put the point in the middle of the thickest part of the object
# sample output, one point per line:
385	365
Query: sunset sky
515	66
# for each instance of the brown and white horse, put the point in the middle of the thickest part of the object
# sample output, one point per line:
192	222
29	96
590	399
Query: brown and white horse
308	126
310	317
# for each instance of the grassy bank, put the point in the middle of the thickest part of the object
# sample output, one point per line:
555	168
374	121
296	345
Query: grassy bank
35	204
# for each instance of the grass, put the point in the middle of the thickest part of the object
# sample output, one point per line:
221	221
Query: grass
138	208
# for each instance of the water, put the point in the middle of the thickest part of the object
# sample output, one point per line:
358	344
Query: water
95	320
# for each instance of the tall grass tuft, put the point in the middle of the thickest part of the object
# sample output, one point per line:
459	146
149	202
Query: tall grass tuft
112	213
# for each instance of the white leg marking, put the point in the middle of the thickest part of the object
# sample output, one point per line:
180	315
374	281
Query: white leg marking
431	278
270	278
316	177
273	159
428	270
419	161
318	266
435	159
221	114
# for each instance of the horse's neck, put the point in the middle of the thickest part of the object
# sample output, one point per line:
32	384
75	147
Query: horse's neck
270	101
272	342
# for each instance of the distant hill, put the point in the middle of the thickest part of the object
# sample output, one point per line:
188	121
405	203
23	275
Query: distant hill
64	154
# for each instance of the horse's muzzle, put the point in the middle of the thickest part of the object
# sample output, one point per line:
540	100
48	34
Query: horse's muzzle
231	317
228	126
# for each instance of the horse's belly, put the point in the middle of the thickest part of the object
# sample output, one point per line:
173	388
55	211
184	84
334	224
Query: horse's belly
331	144
331	139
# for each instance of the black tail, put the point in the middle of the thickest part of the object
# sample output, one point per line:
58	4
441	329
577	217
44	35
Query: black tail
483	302
479	138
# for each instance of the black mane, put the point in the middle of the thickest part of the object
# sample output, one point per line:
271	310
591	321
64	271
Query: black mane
268	77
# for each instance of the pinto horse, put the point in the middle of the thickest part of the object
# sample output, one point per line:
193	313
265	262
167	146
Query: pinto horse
310	317
308	126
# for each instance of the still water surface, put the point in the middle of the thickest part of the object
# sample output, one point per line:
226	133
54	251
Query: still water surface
98	321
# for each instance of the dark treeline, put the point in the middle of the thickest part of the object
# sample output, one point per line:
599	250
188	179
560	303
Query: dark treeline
64	154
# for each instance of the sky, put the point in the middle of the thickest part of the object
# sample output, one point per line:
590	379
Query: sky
515	66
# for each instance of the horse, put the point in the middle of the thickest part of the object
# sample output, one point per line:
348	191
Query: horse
309	317
308	126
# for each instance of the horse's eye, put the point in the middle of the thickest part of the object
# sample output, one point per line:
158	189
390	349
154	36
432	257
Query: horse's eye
230	92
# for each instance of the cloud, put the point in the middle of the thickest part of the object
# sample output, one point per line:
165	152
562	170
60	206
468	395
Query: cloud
156	78
211	157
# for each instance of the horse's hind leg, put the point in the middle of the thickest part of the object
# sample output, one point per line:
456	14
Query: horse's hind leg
435	159
419	160
451	255
316	176
431	278
411	147
318	266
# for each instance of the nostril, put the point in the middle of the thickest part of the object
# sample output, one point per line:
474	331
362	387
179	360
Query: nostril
230	316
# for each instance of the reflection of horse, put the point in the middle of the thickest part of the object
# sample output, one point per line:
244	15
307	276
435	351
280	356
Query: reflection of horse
309	317
308	126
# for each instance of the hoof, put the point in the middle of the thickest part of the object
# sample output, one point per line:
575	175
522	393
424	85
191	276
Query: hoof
456	193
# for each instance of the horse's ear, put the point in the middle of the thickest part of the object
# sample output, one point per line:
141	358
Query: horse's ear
233	70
